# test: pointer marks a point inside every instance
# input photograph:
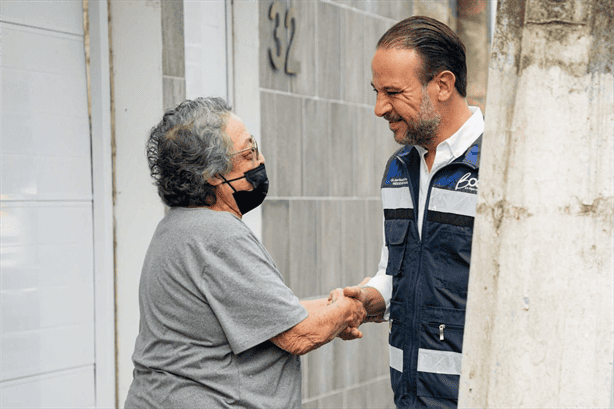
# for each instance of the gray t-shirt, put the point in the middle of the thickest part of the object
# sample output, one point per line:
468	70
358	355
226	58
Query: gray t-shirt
210	299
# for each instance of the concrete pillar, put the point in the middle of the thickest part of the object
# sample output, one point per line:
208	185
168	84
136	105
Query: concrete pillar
539	327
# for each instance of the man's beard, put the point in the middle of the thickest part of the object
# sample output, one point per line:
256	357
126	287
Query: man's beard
423	130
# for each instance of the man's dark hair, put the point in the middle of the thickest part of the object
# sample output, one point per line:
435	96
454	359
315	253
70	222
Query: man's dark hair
186	148
438	46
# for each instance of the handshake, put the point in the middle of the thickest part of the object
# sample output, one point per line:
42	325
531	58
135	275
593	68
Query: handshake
363	304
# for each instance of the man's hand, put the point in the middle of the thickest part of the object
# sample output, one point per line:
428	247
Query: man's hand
373	302
356	310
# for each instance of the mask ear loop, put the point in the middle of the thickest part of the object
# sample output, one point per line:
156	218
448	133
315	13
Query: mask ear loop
232	180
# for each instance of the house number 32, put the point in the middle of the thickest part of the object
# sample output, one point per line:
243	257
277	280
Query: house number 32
281	50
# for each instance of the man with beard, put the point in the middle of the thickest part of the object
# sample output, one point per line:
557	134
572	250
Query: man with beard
429	193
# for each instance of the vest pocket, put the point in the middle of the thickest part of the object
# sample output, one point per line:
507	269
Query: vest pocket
396	232
439	353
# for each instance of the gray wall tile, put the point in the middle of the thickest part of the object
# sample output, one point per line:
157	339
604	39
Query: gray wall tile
342	128
367	164
379	395
331	248
316	149
352	57
366	5
353	241
272	78
304	48
438	9
374	231
321	375
328	65
334	401
268	138
276	233
374	28
395	9
303	275
341	359
376	394
287	129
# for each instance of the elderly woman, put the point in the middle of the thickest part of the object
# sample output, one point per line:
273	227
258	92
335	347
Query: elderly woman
218	327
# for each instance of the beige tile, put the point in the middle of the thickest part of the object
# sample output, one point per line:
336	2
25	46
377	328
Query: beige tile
379	395
330	243
340	363
353	241
303	47
353	77
287	129
328	42
367	164
334	401
316	152
356	397
396	9
365	5
342	128
442	10
268	138
321	372
303	277
276	232
373	235
374	28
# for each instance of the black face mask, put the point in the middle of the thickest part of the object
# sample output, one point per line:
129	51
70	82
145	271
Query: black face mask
250	199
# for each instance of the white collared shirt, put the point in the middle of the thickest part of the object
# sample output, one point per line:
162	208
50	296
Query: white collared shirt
447	151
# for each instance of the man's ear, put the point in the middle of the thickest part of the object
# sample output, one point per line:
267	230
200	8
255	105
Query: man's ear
445	81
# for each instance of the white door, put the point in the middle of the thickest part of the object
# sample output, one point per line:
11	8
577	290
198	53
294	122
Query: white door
47	273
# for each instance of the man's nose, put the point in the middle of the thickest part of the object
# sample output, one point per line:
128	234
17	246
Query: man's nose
382	106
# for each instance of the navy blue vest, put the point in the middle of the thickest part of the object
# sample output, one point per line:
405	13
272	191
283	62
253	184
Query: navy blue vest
430	275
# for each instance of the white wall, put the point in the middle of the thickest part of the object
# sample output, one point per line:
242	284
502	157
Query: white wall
136	45
47	283
206	63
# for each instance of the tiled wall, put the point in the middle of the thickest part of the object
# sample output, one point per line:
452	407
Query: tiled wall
47	326
326	151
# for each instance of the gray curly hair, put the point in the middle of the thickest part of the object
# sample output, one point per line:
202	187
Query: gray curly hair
186	148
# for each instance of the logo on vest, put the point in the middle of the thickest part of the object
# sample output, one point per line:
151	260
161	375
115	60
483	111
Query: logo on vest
398	181
467	183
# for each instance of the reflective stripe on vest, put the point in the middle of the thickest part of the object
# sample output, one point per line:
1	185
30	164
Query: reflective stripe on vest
441	362
396	358
396	198
451	201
